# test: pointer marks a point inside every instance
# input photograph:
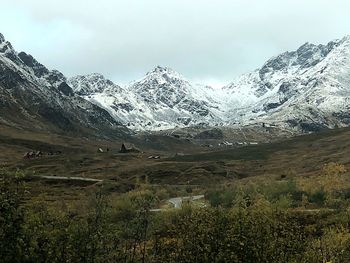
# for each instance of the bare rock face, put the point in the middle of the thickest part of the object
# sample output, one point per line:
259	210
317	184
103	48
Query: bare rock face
38	69
2	38
65	89
216	134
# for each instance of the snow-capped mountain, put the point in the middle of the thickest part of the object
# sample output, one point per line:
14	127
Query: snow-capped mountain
306	89
93	83
162	99
31	96
303	90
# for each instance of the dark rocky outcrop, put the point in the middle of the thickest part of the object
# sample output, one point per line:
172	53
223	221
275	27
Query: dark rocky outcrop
210	134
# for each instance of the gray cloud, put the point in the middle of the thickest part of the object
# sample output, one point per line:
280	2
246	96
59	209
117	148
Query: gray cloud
206	40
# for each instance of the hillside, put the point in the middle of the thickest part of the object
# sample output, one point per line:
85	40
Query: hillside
180	162
35	98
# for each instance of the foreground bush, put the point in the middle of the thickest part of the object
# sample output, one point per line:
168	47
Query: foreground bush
251	229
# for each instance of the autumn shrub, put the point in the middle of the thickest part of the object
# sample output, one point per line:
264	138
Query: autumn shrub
12	217
244	223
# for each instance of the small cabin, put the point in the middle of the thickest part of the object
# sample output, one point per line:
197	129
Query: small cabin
128	148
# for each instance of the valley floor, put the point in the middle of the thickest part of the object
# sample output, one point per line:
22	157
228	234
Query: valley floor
299	186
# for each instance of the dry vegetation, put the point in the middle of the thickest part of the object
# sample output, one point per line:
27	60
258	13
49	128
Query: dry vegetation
286	201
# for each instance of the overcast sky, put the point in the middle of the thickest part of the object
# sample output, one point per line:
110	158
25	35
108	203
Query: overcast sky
210	41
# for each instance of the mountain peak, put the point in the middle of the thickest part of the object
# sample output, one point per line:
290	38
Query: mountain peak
161	70
30	61
2	38
306	46
345	39
92	83
95	75
5	46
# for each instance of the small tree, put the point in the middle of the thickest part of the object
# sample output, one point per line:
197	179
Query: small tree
12	237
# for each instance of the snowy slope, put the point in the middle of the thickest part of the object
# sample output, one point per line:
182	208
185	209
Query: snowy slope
163	99
303	90
307	89
93	83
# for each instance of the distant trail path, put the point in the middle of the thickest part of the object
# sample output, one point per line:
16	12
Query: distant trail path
51	177
177	201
